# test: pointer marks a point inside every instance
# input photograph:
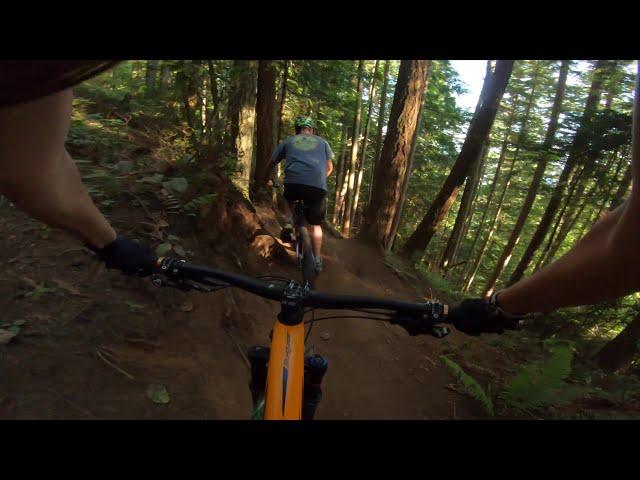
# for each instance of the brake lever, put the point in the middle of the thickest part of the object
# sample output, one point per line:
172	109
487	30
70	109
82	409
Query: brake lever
415	325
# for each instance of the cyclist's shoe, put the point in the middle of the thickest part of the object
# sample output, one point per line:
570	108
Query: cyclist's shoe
317	264
129	257
483	315
286	235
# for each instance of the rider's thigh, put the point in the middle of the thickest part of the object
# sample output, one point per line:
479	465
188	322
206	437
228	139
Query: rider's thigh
32	135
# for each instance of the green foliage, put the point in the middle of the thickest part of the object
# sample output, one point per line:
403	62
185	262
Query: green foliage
158	394
542	383
38	291
176	185
134	307
439	282
471	386
194	206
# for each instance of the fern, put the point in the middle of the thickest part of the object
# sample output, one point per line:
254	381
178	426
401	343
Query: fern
470	385
542	383
193	207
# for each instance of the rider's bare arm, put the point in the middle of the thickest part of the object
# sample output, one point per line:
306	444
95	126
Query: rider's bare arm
329	167
267	173
37	173
602	266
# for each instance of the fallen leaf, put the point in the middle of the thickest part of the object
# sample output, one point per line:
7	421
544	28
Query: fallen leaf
28	281
19	323
158	394
325	336
187	306
67	287
163	249
6	336
14	329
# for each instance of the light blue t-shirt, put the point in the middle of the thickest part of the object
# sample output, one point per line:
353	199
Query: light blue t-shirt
307	158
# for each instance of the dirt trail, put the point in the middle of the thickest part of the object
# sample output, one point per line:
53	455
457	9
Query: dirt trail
95	340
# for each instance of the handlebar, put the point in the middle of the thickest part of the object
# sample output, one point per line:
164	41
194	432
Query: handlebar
183	274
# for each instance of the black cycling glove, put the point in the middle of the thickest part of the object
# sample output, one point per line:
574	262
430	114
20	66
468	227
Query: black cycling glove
483	315
127	256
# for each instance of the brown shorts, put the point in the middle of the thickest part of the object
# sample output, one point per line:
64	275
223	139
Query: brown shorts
24	80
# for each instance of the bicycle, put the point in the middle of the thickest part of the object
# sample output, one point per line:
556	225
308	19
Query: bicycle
303	246
285	382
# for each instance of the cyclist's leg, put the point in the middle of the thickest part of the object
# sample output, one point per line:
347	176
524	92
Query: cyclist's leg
316	239
316	212
288	207
37	173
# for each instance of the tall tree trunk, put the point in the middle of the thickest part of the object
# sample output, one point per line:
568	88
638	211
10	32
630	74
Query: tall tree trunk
482	170
246	93
471	271
623	188
266	119
476	136
165	76
492	226
572	188
550	135
283	98
578	148
381	113
469	190
150	76
606	196
620	351
215	129
340	172
451	249
394	159
571	218
365	141
397	218
182	84
567	225
462	272
195	98
353	157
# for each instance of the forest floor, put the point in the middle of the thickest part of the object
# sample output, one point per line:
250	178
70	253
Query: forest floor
90	341
93	340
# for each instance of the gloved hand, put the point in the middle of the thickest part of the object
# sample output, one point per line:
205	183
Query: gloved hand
483	315
128	256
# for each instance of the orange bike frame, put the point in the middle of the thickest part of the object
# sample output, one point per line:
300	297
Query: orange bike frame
285	374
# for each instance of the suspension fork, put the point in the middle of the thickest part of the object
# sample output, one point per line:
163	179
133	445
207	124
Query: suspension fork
286	384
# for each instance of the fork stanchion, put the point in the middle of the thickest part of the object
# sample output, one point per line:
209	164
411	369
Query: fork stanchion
258	358
315	366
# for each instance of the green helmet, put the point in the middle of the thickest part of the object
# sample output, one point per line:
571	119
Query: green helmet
303	121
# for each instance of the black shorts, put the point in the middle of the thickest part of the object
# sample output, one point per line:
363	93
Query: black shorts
315	201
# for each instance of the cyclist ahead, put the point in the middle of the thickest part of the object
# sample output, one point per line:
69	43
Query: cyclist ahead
309	163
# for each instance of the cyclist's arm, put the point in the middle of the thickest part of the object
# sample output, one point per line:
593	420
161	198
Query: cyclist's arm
602	266
330	157
277	157
37	173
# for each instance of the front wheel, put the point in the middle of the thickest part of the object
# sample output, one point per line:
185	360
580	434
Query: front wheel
307	259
